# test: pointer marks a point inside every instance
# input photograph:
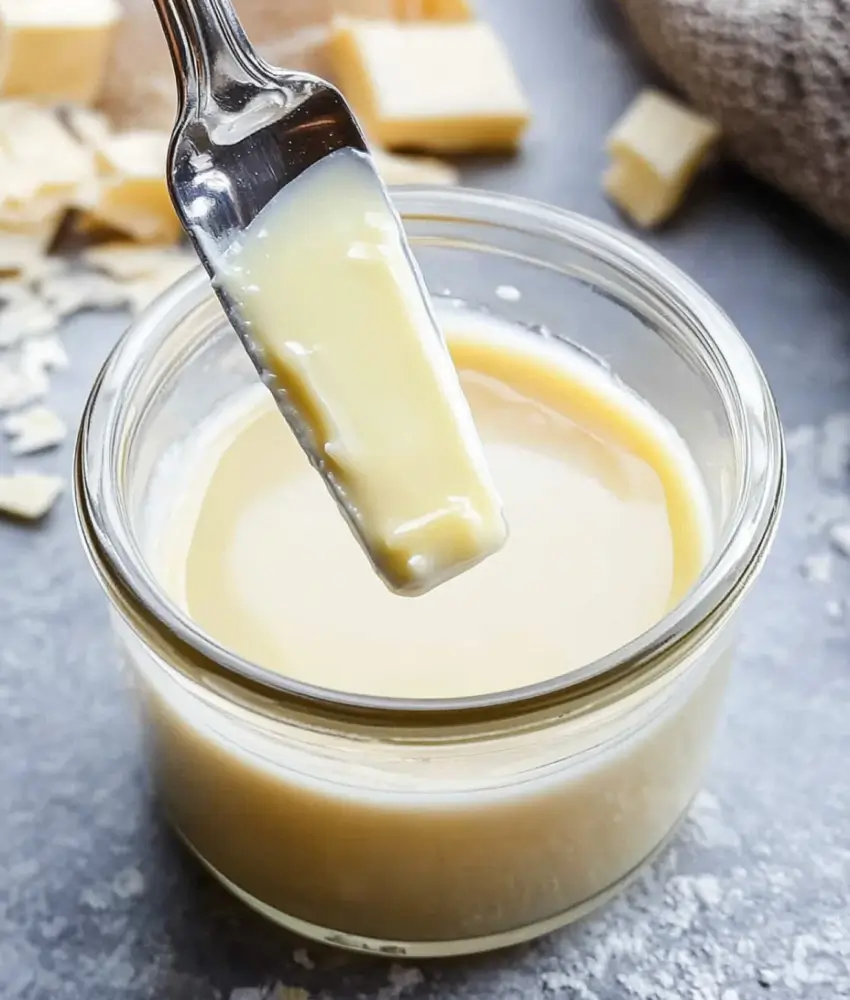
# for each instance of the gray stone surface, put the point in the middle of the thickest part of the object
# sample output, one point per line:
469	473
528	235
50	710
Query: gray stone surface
752	900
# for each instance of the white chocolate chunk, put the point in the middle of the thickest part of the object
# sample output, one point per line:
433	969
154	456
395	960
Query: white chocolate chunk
664	134
638	192
29	495
42	355
34	429
132	196
395	169
55	50
46	157
25	316
430	85
21	250
656	149
17	389
839	538
42	167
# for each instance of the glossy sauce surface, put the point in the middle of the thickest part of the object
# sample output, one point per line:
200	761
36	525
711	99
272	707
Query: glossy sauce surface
607	520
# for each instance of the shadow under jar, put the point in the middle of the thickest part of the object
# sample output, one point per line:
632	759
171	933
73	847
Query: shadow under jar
439	827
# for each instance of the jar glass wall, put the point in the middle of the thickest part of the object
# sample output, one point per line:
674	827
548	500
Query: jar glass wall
438	827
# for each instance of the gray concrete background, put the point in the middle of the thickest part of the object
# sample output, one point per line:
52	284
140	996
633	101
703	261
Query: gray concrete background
752	900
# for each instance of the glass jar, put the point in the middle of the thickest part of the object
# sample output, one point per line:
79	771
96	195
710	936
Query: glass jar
439	827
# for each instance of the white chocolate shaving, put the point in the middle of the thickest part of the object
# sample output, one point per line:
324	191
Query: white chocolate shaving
19	250
29	495
25	315
18	388
42	355
34	429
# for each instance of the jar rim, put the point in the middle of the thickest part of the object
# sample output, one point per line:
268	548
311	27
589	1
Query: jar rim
122	568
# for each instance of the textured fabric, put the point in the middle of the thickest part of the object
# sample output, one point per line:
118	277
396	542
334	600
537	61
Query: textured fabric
775	74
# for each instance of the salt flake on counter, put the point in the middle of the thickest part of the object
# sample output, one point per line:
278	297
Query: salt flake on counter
817	568
834	610
35	429
25	315
42	355
834	451
839	538
508	293
29	496
800	439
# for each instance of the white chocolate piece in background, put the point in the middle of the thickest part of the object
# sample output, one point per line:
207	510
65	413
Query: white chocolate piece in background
132	196
51	163
55	50
442	87
18	389
42	167
25	315
34	429
656	148
396	169
29	496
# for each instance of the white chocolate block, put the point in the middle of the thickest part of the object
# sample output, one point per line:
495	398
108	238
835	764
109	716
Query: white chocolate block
395	169
656	149
34	429
445	87
55	50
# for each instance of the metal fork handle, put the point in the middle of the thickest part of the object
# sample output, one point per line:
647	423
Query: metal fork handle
209	49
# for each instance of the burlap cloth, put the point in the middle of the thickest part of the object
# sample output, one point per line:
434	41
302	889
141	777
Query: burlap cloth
776	75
